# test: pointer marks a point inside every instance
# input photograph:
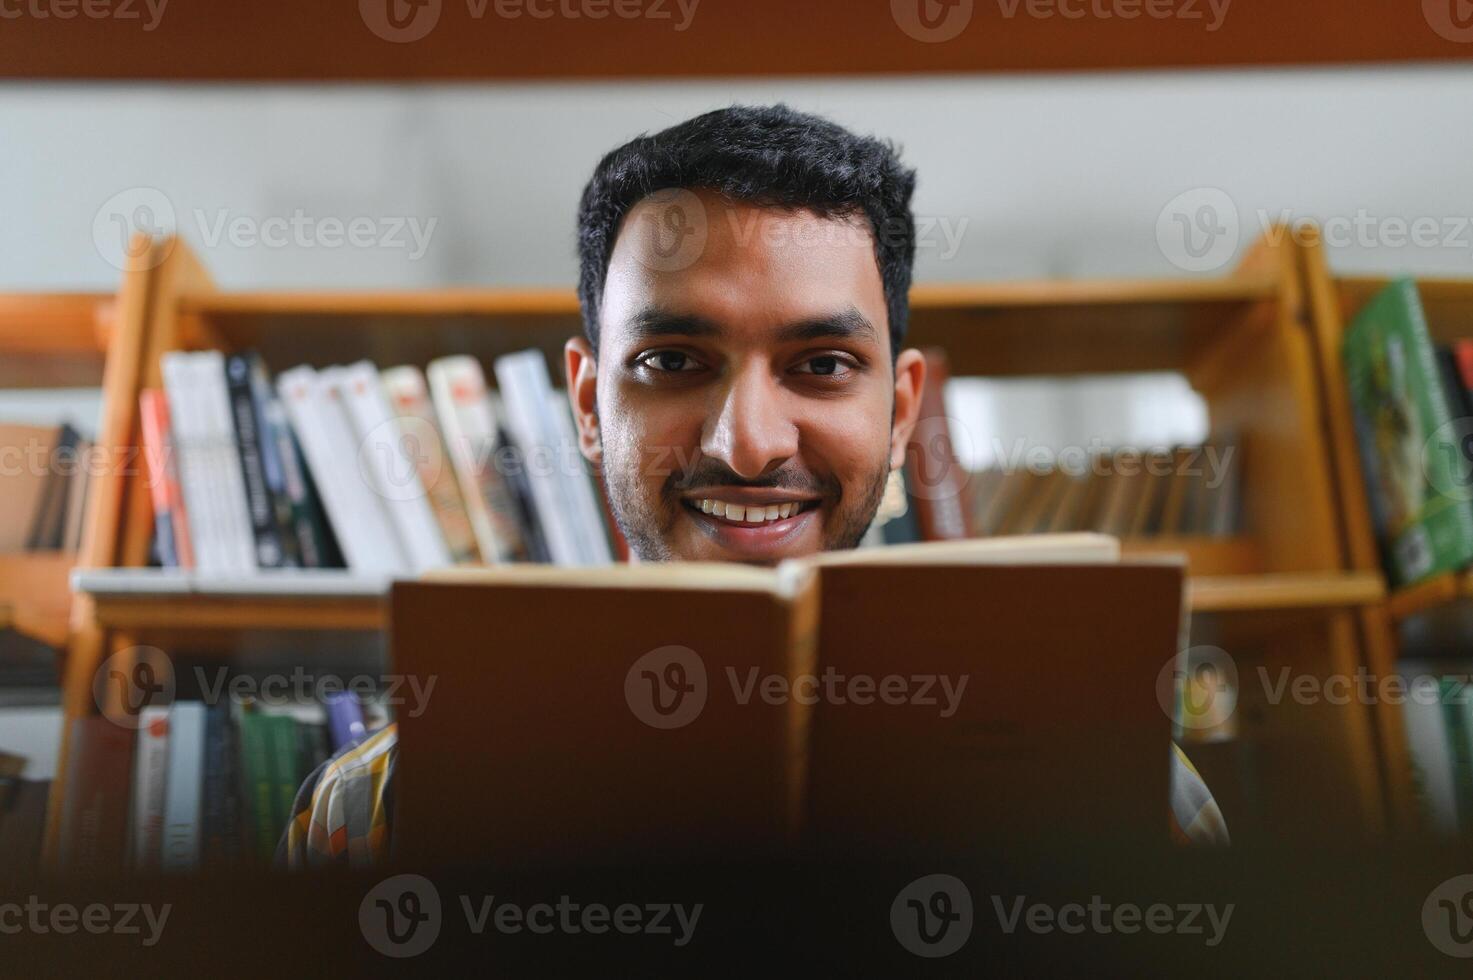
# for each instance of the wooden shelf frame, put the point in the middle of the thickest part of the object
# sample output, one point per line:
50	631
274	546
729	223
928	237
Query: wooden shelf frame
1240	338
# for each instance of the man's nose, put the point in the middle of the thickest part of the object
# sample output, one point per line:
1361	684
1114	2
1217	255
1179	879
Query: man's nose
750	429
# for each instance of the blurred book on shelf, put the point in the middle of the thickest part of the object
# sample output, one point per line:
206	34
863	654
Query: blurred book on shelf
45	471
1415	430
389	472
1171	492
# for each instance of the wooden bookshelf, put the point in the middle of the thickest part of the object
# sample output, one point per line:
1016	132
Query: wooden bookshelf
1286	583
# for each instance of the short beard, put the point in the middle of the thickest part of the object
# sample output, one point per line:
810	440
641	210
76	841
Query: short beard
648	532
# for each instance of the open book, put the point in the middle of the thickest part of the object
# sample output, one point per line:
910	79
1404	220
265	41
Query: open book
936	695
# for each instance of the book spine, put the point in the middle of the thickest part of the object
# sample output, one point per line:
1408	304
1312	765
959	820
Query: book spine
48	523
1460	744
344	719
410	399
269	550
394	476
94	821
184	791
525	402
273	468
593	535
215	796
257	782
185	425
153	416
458	392
225	459
149	780
316	547
282	733
375	538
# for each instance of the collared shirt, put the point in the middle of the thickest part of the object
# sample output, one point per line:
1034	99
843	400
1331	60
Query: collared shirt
344	810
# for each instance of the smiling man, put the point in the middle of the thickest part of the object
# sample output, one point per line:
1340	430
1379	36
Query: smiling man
742	383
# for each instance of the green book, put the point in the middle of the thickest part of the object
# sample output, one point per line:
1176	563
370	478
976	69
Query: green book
286	777
258	782
1418	478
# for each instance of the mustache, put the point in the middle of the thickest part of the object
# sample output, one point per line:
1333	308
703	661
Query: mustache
711	473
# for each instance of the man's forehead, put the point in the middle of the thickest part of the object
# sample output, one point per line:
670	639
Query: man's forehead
728	263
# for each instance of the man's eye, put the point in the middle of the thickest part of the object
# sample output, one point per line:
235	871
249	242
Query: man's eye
827	364
670	360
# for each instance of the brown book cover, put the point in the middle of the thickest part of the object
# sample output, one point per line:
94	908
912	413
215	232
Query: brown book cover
94	820
629	715
680	710
1057	730
936	480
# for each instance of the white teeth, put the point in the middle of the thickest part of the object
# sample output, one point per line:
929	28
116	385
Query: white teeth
754	514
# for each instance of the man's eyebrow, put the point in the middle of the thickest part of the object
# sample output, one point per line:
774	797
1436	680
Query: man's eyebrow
654	322
848	324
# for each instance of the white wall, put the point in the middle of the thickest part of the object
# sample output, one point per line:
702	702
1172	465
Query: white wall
1040	176
1031	176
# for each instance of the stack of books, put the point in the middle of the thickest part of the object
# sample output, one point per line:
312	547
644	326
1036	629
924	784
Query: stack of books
46	478
383	472
197	785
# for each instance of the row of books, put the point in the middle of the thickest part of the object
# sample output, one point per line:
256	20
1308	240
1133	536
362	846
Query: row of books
196	785
394	471
45	474
1439	721
1412	402
1186	490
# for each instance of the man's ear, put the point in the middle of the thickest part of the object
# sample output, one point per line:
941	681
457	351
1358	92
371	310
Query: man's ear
582	370
910	375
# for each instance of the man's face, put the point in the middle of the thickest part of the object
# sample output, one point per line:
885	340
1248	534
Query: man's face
743	404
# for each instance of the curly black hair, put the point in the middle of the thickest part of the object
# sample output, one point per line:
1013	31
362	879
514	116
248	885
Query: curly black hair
773	156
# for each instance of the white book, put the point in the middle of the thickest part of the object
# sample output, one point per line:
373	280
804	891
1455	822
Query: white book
409	399
188	427
458	391
393	475
561	493
1431	755
226	477
149	780
590	514
184	789
363	529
